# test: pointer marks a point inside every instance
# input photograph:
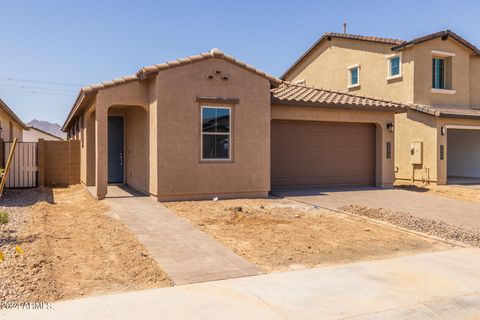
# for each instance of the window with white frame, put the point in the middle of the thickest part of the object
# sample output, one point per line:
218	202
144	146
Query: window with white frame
394	66
353	76
216	133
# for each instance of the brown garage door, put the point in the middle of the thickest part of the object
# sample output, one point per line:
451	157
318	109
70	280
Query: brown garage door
316	154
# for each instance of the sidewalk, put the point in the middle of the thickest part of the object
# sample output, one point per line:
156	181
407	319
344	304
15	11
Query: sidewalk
185	253
439	285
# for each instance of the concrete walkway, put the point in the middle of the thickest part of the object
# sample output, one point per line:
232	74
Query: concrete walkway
423	205
427	286
185	253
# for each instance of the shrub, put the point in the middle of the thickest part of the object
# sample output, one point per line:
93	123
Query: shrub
4	217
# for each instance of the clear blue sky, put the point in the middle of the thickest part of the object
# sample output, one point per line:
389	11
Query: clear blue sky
83	42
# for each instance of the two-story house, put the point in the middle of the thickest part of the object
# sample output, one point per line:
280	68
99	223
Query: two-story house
438	76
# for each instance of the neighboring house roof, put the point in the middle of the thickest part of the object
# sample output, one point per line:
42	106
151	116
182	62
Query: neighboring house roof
329	35
443	112
444	35
397	44
294	94
9	111
148	71
44	132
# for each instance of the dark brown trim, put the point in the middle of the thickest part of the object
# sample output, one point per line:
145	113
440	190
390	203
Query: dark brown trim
204	99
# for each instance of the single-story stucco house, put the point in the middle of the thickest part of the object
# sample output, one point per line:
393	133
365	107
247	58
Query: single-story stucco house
34	134
209	125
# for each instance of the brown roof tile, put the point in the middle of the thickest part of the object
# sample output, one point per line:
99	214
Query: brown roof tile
444	34
445	112
150	70
294	94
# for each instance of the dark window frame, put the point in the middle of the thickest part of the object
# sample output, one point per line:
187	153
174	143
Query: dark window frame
220	133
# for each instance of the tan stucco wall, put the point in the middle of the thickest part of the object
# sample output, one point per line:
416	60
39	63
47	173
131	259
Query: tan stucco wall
162	134
5	121
418	127
384	167
460	74
475	82
326	67
181	174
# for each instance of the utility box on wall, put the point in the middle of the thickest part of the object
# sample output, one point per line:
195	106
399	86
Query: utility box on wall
416	152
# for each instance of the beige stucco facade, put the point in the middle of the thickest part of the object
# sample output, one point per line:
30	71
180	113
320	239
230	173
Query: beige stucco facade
161	112
162	133
326	65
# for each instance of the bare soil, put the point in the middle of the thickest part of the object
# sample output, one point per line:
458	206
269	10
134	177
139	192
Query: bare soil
71	248
463	193
280	234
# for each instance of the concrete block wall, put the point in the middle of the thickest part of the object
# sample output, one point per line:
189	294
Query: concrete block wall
58	163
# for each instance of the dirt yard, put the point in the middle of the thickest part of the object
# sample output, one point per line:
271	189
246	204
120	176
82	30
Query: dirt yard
450	191
280	234
71	248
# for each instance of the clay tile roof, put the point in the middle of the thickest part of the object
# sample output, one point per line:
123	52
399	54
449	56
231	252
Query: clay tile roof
444	34
445	112
329	35
12	114
300	95
150	70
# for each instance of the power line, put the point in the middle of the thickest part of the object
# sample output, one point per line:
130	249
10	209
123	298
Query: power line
42	81
38	92
38	88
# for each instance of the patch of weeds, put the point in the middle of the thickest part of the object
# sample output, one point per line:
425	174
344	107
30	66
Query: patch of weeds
4	218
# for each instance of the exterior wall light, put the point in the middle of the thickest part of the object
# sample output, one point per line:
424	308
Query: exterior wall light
390	127
442	131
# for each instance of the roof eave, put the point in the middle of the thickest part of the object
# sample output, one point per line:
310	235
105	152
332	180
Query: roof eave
73	111
395	109
13	115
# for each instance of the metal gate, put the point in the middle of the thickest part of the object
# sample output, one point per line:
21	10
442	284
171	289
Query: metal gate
24	168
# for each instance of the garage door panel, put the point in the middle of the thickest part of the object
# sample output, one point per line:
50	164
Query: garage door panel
322	154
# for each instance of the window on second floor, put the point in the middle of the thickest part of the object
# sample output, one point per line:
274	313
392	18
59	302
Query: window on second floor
438	73
394	67
354	76
442	72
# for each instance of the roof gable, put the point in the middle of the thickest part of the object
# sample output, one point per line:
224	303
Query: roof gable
442	34
15	118
150	71
329	35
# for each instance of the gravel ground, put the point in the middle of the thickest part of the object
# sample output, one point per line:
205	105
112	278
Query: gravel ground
406	220
71	248
16	204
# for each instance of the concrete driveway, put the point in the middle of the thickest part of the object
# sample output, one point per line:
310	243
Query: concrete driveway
451	211
427	286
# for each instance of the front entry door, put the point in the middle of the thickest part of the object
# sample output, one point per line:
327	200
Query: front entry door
115	149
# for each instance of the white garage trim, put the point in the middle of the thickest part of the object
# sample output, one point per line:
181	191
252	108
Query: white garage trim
461	127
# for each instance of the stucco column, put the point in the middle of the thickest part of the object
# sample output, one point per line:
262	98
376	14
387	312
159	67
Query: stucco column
385	168
101	148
